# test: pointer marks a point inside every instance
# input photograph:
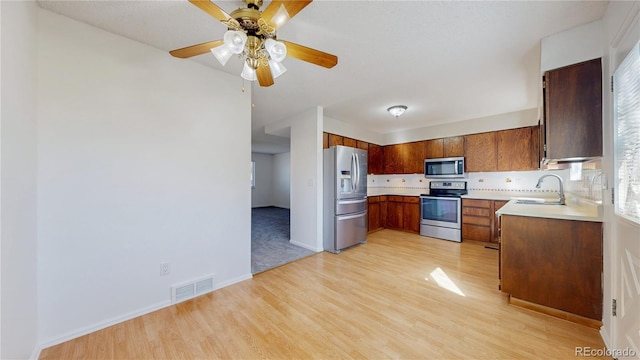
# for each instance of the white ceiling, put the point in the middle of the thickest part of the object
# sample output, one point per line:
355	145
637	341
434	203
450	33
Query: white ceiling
446	60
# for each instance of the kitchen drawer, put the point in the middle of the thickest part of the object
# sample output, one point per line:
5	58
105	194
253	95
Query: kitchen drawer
395	198
484	221
412	199
477	203
373	199
476	232
476	211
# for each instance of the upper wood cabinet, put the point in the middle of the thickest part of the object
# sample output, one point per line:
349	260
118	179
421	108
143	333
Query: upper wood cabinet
573	111
414	160
335	140
480	151
453	146
434	148
393	158
444	147
349	142
406	158
376	159
362	145
516	150
505	150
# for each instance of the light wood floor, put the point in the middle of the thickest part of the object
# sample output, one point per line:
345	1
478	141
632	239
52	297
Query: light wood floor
378	300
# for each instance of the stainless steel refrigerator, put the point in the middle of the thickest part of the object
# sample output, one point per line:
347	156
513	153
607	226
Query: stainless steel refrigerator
345	197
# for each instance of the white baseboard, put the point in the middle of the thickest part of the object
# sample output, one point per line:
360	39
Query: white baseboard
35	355
234	281
604	334
103	324
118	319
306	246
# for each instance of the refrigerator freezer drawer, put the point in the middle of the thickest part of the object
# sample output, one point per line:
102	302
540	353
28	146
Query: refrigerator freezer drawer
350	230
351	206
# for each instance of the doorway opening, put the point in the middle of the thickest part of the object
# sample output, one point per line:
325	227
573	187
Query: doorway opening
271	214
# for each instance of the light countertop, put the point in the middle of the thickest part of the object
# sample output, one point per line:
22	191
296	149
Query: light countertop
379	191
574	210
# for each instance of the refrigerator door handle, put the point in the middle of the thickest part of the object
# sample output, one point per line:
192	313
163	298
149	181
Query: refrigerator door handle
347	217
344	202
353	173
357	171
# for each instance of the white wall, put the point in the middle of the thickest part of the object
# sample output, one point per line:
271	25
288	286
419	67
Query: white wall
134	169
281	187
361	133
18	169
306	176
511	120
306	180
261	193
528	117
272	180
575	45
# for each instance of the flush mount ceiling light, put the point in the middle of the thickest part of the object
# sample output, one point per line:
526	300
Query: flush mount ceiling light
397	110
252	36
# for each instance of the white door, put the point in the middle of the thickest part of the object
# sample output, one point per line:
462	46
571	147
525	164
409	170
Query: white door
624	232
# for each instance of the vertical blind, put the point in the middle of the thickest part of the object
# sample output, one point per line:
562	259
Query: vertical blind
626	107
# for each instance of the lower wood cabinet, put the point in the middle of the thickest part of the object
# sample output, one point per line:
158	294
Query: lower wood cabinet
476	220
394	212
411	214
377	212
497	204
554	263
479	220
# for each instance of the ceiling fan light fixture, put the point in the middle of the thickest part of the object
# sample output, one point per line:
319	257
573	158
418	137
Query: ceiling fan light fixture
222	53
235	41
276	49
248	73
397	110
277	68
251	34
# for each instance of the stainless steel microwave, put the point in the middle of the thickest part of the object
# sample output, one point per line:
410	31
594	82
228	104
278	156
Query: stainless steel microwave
452	167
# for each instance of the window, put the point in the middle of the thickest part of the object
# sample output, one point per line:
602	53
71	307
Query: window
626	115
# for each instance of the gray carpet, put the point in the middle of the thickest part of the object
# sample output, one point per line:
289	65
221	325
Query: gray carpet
270	246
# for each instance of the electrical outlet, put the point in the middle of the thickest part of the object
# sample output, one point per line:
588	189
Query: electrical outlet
164	268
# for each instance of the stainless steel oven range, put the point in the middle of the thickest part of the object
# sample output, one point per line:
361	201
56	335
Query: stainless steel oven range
441	210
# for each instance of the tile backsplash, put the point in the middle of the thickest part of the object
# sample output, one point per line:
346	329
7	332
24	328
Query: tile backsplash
586	184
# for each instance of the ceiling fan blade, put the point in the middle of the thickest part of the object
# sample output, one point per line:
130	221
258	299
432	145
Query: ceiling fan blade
264	75
280	11
311	55
211	9
194	50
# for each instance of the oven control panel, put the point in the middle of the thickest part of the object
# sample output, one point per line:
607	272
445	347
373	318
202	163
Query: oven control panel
453	185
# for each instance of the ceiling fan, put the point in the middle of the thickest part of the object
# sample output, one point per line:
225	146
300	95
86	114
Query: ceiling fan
251	33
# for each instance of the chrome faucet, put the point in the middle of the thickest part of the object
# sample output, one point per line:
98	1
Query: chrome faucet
561	192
